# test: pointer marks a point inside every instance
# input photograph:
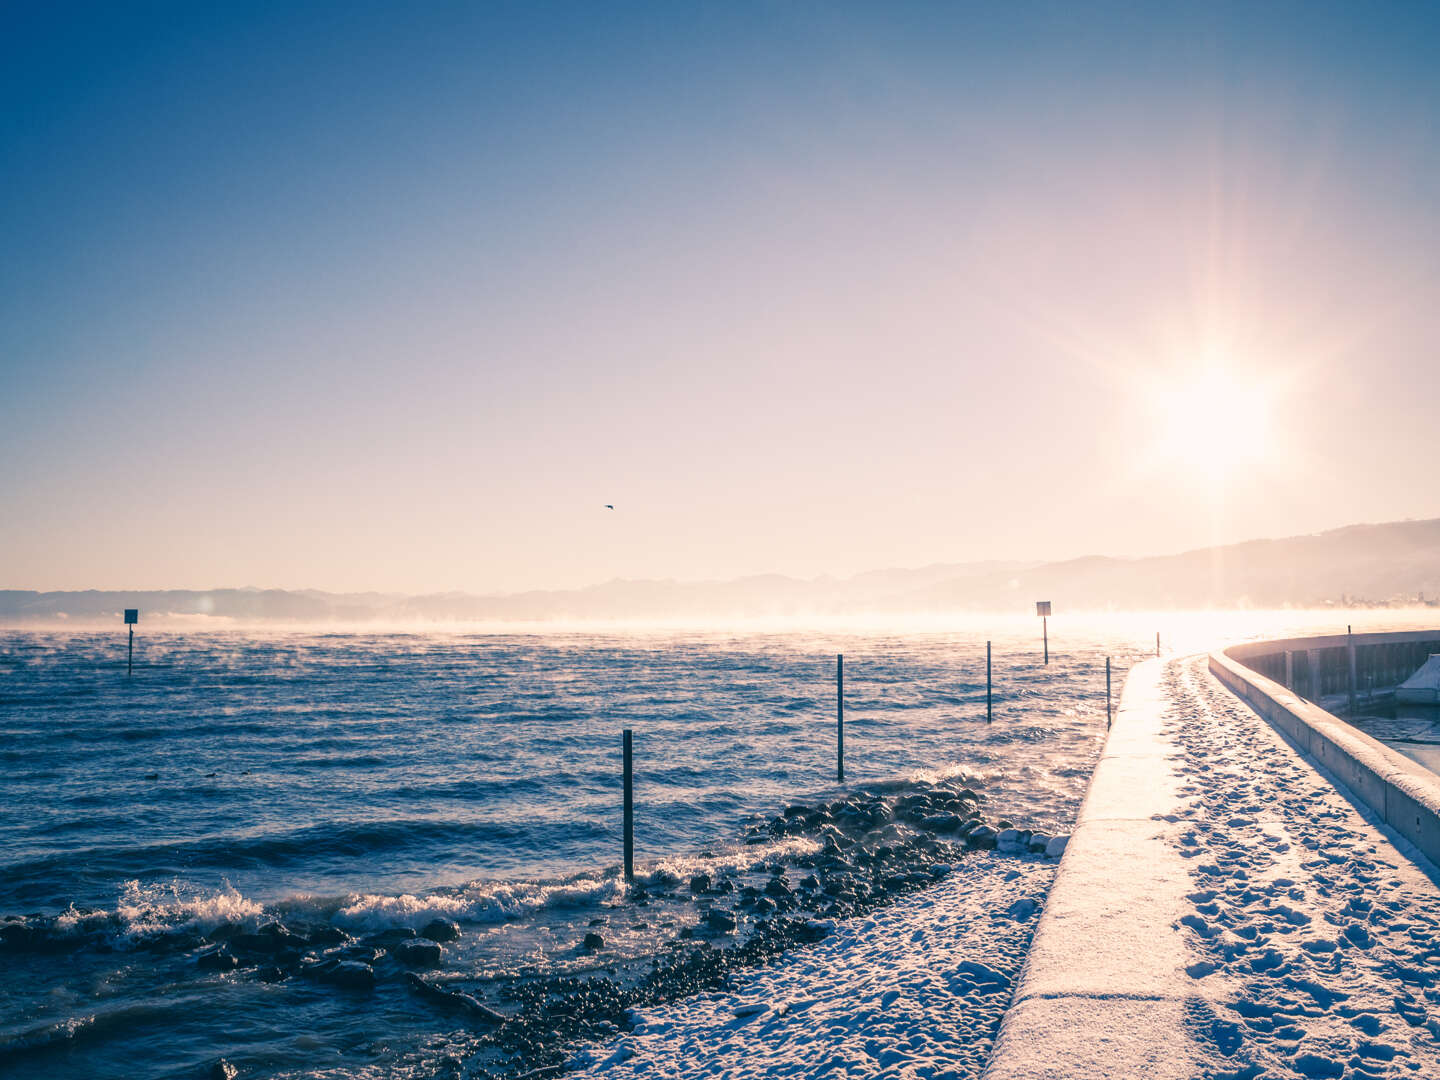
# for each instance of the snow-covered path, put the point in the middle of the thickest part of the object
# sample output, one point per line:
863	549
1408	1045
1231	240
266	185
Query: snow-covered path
1322	933
915	990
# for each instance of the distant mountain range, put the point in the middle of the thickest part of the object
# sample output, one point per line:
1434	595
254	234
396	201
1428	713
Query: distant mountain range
1392	563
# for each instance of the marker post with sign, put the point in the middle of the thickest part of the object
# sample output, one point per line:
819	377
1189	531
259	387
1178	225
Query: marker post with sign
1042	608
132	616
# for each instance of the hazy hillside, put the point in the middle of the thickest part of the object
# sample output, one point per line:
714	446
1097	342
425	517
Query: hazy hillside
1394	562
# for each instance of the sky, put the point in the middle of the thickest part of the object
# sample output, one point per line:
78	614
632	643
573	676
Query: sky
398	297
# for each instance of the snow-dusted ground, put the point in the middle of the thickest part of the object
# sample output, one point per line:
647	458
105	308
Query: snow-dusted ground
1320	932
915	990
1228	914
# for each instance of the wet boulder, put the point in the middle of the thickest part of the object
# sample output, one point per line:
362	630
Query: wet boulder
940	823
440	930
350	975
417	954
267	942
721	922
453	999
217	960
700	883
365	954
593	941
327	936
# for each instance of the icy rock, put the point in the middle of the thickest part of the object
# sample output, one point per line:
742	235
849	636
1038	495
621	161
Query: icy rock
1039	842
982	836
1056	847
1008	840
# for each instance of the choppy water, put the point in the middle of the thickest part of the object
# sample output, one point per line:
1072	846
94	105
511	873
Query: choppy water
368	781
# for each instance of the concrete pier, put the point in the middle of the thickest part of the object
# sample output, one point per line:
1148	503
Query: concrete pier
1222	866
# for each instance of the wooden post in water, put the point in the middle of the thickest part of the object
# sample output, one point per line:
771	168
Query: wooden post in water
840	717
629	812
989	702
1107	693
1042	608
132	616
1157	642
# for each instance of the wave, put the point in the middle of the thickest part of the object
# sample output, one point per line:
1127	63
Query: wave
151	914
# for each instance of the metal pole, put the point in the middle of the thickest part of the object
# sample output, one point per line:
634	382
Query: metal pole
629	813
1107	693
1350	655
130	655
840	717
989	701
1045	629
1157	642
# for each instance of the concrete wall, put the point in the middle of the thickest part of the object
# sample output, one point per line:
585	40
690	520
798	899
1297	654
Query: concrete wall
1404	794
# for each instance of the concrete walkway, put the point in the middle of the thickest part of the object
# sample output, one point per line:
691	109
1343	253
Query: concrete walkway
1224	911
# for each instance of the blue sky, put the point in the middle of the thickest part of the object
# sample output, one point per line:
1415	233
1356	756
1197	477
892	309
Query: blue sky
358	296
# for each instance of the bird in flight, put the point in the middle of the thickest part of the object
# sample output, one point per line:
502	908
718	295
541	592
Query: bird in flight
609	506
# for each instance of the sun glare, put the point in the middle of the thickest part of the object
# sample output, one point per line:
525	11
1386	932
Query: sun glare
1212	421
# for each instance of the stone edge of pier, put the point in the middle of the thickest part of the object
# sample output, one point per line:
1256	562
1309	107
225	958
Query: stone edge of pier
1402	793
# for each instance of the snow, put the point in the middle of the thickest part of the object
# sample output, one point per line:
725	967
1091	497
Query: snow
1322	928
1424	686
1223	910
915	990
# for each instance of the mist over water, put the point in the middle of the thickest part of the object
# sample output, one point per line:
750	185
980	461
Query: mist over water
369	781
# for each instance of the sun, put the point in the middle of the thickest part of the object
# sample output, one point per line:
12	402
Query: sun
1212	419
